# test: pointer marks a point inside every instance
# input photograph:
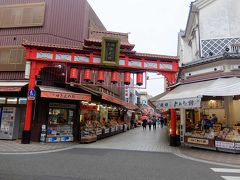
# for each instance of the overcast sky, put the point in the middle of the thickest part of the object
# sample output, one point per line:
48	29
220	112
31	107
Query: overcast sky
153	25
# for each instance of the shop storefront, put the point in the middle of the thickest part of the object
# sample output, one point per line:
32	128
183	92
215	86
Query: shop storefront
209	115
12	109
56	116
100	120
60	122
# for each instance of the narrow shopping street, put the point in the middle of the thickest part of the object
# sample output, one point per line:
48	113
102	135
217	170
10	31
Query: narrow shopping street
137	139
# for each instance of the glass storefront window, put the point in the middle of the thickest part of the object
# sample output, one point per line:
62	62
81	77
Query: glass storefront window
60	116
2	100
12	100
22	100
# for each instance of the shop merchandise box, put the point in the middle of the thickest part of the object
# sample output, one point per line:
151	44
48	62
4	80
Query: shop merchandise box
53	139
66	138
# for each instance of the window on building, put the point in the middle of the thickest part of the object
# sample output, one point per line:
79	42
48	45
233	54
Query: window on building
12	100
22	100
22	15
2	100
60	116
11	55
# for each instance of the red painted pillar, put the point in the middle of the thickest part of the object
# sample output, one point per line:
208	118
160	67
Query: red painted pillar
173	139
173	122
26	136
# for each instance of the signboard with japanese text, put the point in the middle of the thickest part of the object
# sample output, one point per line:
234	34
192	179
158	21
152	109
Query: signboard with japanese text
70	96
110	51
180	103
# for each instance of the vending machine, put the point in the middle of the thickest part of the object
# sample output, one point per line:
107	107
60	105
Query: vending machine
0	115
9	123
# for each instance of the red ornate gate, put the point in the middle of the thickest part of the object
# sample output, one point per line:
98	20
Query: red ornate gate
96	64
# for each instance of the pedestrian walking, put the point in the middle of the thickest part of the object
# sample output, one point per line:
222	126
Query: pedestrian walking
150	124
144	124
161	122
154	122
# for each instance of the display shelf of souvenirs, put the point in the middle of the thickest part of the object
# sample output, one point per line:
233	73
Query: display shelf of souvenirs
88	135
228	140
59	133
202	139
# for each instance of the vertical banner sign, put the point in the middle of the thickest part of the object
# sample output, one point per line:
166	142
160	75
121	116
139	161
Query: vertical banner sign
110	51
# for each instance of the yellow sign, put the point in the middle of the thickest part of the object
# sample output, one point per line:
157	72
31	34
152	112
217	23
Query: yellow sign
198	141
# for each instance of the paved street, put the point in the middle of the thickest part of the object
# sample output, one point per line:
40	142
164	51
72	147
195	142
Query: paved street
136	139
136	154
91	164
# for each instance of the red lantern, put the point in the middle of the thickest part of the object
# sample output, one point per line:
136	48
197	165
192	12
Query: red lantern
114	77
139	79
73	73
101	76
87	75
127	78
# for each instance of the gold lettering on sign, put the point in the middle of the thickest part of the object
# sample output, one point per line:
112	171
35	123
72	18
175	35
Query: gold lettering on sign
58	95
198	141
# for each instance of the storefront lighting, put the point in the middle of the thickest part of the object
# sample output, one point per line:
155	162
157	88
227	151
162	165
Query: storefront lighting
170	131
84	102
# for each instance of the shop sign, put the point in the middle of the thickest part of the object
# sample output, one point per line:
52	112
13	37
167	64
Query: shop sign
110	51
11	89
224	144
70	96
237	146
99	132
180	103
61	105
106	130
89	107
198	141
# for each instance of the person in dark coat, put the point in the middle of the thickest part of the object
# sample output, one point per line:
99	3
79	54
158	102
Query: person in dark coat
144	124
154	122
150	124
161	121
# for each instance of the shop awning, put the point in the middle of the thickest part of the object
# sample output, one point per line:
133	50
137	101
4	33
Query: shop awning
12	86
118	101
189	95
61	93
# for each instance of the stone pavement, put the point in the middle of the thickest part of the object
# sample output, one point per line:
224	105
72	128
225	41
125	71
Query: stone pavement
135	139
15	147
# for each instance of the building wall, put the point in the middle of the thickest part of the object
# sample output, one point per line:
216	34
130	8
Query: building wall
65	22
211	29
220	19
